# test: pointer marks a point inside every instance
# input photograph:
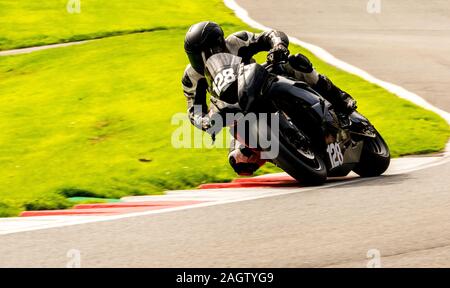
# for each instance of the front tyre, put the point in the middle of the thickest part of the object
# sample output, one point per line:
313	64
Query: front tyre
303	164
375	157
307	169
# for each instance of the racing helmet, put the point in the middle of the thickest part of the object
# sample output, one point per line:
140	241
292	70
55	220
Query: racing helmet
203	40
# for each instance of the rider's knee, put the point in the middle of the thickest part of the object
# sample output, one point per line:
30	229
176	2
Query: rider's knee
244	161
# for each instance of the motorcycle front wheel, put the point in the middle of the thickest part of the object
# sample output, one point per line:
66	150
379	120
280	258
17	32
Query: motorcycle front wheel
302	164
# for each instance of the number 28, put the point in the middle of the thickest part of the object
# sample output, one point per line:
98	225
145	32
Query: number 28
225	77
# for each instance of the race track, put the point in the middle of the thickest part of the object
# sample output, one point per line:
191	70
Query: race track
406	216
334	226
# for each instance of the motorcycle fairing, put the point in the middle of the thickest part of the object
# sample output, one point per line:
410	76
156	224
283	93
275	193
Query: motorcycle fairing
221	72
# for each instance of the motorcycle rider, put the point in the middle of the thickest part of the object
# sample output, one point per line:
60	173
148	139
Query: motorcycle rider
207	38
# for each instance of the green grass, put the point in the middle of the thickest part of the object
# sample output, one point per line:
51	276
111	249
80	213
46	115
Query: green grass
76	120
31	23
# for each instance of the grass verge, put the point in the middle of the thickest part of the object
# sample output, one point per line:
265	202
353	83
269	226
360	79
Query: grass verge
29	23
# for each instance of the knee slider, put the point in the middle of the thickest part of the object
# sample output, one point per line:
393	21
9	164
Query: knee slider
243	169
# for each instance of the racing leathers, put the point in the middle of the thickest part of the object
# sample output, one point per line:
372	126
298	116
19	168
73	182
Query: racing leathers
245	45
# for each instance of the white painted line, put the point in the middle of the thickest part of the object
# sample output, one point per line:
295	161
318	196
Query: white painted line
330	59
8	225
39	48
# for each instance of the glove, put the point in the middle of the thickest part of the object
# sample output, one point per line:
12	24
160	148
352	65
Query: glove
201	122
278	54
351	104
213	123
347	104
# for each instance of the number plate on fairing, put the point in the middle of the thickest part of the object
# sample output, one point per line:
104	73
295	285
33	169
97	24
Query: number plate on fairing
223	80
335	155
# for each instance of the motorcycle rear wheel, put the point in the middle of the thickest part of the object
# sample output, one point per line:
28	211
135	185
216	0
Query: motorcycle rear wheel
375	157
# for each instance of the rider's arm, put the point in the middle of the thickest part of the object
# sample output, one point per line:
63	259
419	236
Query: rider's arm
195	88
246	44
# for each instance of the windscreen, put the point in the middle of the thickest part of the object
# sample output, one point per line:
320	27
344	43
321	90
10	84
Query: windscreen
221	74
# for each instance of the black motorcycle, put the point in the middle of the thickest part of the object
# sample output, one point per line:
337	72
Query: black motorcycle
312	143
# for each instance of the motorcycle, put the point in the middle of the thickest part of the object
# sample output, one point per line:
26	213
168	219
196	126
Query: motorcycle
312	142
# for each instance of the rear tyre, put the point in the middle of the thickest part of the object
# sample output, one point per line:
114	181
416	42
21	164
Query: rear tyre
375	157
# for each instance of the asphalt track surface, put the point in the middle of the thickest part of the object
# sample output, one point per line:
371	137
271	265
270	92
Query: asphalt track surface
405	217
407	43
336	226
